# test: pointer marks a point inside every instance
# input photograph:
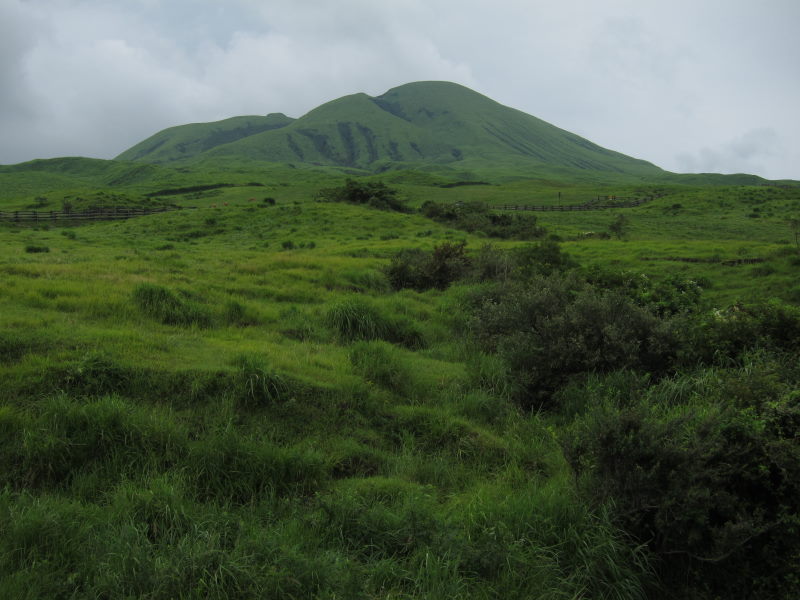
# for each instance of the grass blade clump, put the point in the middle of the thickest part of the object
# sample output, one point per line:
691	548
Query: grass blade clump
163	305
382	364
297	325
15	344
354	319
259	385
64	439
237	314
231	467
97	374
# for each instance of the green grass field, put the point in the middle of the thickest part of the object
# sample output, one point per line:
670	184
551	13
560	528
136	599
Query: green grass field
230	400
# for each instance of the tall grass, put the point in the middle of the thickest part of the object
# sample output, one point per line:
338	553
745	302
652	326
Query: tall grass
356	319
259	384
159	303
253	422
384	365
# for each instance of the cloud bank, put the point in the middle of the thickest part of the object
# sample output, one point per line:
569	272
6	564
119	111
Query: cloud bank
689	86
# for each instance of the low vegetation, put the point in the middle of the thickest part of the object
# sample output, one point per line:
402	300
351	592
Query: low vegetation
477	217
373	398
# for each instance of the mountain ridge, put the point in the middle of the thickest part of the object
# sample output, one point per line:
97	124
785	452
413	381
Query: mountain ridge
430	122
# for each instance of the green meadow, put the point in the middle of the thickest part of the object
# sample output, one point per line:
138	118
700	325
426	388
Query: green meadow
233	399
351	374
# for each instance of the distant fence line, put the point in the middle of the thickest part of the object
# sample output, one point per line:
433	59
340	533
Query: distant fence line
728	263
616	202
94	214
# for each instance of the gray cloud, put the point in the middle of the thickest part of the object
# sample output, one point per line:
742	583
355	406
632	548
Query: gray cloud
679	83
749	153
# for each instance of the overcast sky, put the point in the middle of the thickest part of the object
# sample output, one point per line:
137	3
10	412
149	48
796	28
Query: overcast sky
690	85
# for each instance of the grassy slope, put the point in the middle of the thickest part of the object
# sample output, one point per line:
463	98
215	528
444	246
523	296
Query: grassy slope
480	128
186	141
429	122
204	476
256	451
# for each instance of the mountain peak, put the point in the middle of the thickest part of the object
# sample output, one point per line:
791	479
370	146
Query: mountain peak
429	122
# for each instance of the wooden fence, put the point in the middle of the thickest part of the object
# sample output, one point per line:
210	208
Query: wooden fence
95	214
734	262
616	202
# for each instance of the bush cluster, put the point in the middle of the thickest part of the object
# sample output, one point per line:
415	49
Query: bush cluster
422	270
372	193
703	469
476	217
449	262
554	327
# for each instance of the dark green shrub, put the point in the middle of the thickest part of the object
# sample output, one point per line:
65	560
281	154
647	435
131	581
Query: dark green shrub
287	245
554	327
671	295
477	217
32	249
542	258
727	334
491	264
373	193
708	480
421	270
408	269
619	226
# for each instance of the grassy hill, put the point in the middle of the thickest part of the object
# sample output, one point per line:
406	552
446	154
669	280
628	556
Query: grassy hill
435	123
283	390
186	141
234	400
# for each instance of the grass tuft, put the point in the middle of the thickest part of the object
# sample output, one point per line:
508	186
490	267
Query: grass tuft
163	305
260	385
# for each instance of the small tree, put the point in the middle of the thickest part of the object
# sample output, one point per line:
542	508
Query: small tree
794	224
618	226
373	193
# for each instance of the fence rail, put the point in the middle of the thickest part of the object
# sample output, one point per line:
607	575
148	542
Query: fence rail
591	205
96	214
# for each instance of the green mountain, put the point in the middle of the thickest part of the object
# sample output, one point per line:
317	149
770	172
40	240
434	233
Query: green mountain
425	122
186	141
